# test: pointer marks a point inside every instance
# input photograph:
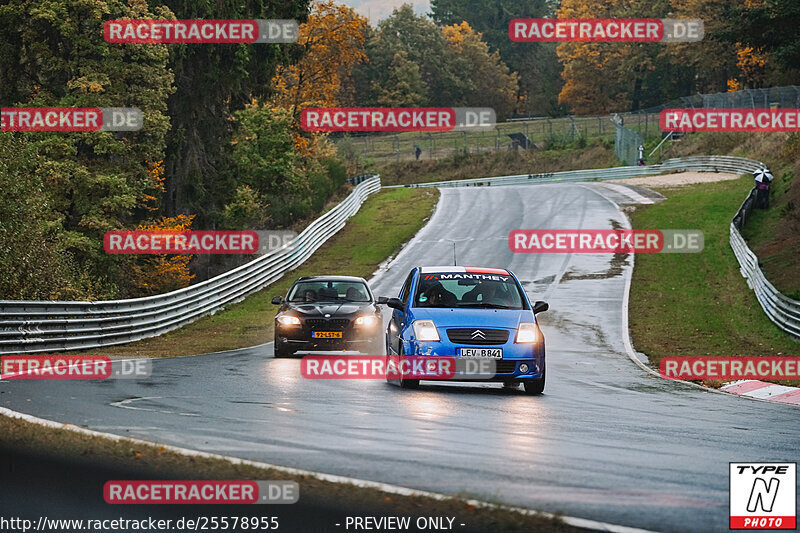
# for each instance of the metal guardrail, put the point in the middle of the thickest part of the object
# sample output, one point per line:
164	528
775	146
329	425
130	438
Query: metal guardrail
783	311
47	326
736	165
356	180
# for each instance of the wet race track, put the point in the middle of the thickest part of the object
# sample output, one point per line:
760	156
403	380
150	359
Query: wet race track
606	441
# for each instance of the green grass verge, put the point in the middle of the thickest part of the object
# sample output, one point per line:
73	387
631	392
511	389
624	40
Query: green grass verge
385	221
499	163
699	304
774	234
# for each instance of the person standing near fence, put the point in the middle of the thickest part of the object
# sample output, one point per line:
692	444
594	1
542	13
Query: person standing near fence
417	151
763	178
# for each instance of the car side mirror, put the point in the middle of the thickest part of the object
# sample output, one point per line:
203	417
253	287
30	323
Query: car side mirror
395	303
382	300
540	306
277	300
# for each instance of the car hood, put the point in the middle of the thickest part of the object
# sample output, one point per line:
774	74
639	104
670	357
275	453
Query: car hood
465	318
330	308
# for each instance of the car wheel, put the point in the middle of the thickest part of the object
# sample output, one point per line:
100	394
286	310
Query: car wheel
407	383
535	386
281	351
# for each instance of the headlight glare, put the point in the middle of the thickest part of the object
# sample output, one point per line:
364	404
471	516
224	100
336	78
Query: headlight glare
289	320
527	332
366	320
425	330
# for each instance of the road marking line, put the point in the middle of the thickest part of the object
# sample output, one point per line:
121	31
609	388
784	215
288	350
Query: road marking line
624	190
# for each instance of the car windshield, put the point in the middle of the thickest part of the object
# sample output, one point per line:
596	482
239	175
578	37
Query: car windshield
468	290
329	291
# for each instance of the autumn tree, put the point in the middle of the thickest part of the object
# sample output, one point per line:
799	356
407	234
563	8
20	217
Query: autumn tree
423	44
214	81
332	41
32	263
159	273
266	160
404	86
589	85
454	64
54	55
536	64
601	77
714	60
487	81
770	26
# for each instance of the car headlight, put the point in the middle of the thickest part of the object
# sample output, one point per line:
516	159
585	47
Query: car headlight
366	320
527	332
425	330
289	320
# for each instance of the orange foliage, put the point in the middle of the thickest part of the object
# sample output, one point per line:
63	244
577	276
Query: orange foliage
589	84
156	171
154	274
333	39
752	63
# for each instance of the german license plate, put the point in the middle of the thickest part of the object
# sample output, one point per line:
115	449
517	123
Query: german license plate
495	353
326	334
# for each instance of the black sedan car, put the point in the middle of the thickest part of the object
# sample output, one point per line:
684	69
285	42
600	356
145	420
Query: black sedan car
323	313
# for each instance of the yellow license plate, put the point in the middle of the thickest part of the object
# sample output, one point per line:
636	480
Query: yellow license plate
327	334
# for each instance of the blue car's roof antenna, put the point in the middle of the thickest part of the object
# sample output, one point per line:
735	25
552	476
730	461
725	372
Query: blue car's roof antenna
454	254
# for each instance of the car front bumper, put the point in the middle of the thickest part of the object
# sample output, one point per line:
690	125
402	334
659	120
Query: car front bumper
506	369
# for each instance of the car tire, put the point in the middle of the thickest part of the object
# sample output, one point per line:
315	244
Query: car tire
281	351
535	386
407	383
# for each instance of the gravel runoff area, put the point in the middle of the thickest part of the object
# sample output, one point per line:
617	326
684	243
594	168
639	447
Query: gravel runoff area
677	179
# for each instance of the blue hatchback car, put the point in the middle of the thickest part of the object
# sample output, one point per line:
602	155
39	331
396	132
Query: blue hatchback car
469	312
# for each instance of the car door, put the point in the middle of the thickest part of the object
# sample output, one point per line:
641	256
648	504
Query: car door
398	320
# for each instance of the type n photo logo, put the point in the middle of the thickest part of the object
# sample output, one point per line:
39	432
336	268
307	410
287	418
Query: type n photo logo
762	495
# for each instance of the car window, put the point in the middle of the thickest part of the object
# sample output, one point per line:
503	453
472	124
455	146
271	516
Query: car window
468	290
406	288
329	291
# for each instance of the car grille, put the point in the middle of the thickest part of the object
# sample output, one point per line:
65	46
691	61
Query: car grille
327	324
505	367
469	336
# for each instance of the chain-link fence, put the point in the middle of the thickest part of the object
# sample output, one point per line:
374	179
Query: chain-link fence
645	121
777	97
628	144
541	132
533	133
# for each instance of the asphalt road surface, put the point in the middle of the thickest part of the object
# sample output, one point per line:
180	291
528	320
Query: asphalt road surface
607	441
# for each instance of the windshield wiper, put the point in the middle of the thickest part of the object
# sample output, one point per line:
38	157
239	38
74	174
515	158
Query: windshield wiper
479	305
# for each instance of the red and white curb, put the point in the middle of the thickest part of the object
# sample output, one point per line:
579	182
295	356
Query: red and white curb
762	390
